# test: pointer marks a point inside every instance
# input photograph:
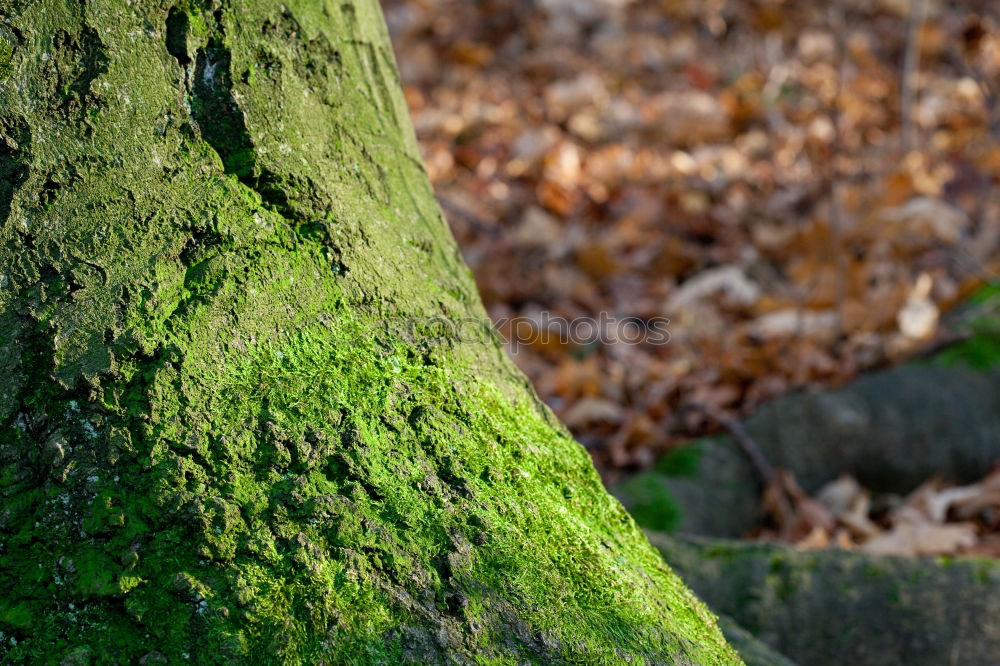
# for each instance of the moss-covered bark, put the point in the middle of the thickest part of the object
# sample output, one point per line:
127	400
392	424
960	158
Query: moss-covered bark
217	444
830	608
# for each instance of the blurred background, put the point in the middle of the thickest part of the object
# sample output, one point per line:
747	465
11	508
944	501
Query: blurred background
806	189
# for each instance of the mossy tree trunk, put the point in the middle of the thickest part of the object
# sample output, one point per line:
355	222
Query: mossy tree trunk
218	444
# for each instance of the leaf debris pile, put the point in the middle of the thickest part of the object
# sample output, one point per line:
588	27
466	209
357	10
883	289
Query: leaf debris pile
934	519
757	172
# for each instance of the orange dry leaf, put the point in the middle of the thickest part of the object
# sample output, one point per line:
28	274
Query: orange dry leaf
611	156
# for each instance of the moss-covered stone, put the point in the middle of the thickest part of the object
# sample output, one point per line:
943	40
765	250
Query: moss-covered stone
836	607
225	436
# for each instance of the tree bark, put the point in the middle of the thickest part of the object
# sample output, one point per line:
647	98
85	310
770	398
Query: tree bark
240	421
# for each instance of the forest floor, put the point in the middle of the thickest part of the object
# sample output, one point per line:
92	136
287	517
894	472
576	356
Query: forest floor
805	190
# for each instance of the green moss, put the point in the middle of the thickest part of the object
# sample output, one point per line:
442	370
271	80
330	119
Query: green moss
985	570
721	550
650	503
217	444
367	484
981	350
199	27
874	571
682	461
6	54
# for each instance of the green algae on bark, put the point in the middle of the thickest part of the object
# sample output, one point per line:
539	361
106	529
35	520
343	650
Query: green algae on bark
215	446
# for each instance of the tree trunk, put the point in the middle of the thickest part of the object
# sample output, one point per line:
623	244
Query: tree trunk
240	418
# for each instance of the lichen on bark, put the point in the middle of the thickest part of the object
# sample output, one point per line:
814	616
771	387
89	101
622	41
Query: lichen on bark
215	445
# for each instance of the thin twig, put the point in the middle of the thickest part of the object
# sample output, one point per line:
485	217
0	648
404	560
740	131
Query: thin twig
767	471
908	82
774	486
991	102
987	88
833	172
